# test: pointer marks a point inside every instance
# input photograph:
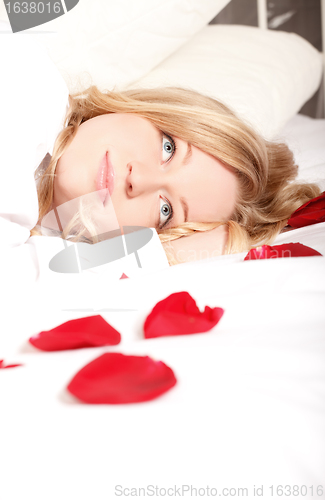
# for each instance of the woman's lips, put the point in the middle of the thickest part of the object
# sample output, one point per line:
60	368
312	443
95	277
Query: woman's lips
105	178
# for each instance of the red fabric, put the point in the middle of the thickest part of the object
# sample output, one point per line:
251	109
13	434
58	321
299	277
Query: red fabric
281	251
178	314
3	366
311	212
92	331
115	378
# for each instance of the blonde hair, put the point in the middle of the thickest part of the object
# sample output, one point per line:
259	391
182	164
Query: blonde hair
265	170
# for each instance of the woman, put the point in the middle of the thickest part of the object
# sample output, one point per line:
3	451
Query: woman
175	160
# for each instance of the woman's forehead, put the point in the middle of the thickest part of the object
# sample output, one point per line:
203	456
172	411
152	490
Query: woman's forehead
209	187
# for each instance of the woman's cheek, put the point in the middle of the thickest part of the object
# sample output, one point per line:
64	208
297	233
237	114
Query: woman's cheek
132	212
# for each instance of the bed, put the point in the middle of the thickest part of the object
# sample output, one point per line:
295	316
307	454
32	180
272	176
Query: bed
246	417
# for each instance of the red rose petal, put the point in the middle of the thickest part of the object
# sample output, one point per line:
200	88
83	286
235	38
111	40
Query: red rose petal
263	252
92	331
123	277
312	212
281	251
178	314
3	366
114	378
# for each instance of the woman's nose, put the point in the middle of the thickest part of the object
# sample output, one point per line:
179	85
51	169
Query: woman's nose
142	180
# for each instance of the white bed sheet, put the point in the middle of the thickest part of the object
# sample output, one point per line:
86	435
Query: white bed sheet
249	406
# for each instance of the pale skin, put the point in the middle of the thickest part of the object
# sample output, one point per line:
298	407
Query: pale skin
160	181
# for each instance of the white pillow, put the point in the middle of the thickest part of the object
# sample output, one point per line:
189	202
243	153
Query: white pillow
30	122
119	41
265	76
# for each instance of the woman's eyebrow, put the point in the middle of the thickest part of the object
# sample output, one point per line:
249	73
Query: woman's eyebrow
185	208
185	161
188	155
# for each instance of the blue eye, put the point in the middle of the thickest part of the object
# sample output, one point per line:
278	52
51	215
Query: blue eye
168	148
165	212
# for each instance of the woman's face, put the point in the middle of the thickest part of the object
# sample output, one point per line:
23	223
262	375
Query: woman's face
153	180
